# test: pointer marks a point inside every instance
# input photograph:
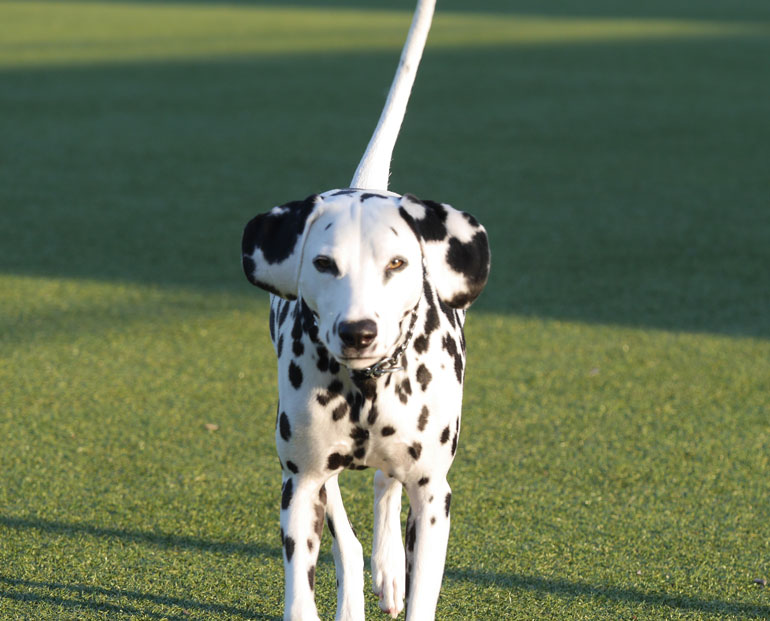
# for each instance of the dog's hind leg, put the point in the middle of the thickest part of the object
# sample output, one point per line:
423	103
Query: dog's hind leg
388	561
348	557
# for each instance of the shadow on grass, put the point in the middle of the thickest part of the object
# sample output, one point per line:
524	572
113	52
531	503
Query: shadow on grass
56	593
161	540
567	588
618	185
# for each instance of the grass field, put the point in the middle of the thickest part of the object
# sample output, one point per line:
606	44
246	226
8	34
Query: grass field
615	456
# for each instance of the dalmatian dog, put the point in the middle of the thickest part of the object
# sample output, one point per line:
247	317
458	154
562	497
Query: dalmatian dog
369	291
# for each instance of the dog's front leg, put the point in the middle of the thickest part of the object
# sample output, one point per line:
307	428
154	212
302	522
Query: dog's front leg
302	516
348	557
427	533
388	564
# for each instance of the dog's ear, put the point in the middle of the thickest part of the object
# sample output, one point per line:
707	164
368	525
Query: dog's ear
272	246
455	246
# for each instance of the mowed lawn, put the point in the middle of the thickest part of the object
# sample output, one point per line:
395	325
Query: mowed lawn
614	461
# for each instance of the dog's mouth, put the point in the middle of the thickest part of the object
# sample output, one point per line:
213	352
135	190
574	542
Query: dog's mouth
358	361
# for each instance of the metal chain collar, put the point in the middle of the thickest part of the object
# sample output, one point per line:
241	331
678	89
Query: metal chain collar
388	365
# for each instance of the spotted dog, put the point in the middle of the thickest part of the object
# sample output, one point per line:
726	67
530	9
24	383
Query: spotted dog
366	317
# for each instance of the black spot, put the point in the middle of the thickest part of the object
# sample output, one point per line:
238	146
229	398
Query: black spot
295	375
373	413
334	366
318	526
335	387
296	329
471	259
423	481
322	494
454	443
360	435
445	435
450	345
337	461
323	398
272	324
279	347
367	385
298	348
284	312
285	427
311	577
340	411
344	192
415	450
423	421
432	521
310	545
421	344
355	407
449	313
282	537
323	359
423	377
288	492
403	390
447	502
368	195
388	431
292	467
330	524
431	316
359	453
288	544
309	325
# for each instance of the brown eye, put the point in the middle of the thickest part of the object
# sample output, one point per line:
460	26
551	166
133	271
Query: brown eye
396	264
324	264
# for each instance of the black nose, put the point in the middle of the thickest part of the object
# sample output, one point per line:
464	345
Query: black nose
357	334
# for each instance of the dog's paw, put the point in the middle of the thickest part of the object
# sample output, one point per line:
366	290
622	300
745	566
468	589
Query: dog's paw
388	578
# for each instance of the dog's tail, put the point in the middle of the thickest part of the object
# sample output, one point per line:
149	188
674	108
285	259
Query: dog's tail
374	169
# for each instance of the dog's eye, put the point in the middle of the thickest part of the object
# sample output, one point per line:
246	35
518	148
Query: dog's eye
324	264
396	264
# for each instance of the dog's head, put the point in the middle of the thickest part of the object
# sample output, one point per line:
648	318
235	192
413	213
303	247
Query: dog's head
359	259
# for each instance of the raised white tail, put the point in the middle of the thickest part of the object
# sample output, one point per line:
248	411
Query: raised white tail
374	169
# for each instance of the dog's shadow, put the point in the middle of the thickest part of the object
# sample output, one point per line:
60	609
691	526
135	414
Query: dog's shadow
110	600
568	589
113	601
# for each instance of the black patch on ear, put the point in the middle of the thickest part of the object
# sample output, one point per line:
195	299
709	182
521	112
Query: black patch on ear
471	259
276	234
433	226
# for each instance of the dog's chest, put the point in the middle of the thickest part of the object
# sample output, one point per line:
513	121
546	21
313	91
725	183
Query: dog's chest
329	418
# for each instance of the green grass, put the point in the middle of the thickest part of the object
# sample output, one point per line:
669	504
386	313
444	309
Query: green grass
614	456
